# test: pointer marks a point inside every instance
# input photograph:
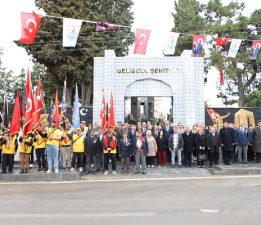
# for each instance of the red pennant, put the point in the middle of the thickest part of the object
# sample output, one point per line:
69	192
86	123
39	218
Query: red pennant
30	25
221	75
56	114
28	120
141	41
15	125
221	41
111	117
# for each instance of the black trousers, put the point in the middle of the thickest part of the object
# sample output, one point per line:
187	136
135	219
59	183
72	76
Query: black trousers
91	159
107	157
0	156
187	158
79	157
32	156
151	160
7	161
213	156
227	156
40	155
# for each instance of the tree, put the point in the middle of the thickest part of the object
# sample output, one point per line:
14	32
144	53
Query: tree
6	83
241	72
76	64
187	21
254	99
227	21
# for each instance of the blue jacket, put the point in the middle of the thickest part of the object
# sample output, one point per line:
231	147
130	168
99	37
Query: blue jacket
243	137
144	147
125	148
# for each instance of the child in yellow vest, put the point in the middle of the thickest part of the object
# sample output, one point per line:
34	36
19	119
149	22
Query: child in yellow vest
9	148
25	149
78	150
40	145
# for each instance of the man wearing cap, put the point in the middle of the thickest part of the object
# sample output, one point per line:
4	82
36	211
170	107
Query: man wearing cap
52	147
125	149
109	151
91	151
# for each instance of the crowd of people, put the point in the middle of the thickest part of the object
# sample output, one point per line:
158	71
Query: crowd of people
89	149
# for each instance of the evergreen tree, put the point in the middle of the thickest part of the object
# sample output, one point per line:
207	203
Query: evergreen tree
76	64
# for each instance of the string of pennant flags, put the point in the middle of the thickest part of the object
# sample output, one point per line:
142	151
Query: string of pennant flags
30	23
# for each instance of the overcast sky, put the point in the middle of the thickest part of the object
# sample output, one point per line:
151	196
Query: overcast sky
150	14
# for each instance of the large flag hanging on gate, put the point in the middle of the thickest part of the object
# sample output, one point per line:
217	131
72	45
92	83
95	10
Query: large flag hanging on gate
30	24
171	43
76	111
256	45
234	46
141	41
15	125
56	114
197	46
30	107
71	30
111	117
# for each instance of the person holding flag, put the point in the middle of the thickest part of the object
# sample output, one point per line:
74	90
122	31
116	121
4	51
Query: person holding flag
53	139
9	145
25	149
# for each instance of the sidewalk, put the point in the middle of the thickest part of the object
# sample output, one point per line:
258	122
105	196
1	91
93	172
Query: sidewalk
66	175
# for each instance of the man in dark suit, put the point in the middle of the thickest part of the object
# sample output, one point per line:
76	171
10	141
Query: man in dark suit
227	140
132	132
213	145
167	129
189	145
143	129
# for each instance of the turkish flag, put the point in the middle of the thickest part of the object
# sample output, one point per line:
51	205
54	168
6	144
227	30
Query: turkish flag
221	41
103	114
111	117
197	46
29	109
15	125
56	114
141	41
30	24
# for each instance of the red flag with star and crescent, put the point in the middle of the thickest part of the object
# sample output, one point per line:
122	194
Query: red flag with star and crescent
141	41
28	118
30	23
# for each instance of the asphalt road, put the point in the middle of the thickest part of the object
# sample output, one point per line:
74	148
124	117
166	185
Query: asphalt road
206	201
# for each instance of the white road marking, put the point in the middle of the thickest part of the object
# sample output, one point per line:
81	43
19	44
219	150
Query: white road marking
131	179
76	215
209	210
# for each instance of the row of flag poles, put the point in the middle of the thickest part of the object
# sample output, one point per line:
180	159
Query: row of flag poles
28	118
107	113
30	23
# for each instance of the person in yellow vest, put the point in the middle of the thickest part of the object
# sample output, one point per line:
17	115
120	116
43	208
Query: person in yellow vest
1	136
25	149
40	145
66	146
78	150
9	145
52	147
